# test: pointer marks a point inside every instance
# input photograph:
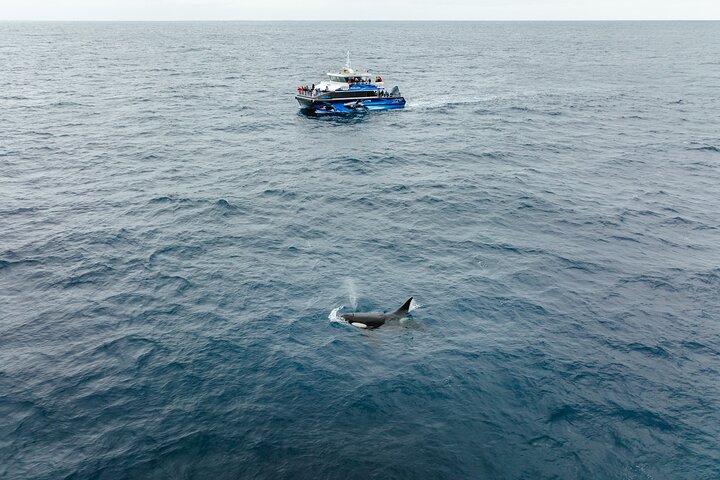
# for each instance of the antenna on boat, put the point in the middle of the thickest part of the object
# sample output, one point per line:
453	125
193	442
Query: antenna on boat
347	61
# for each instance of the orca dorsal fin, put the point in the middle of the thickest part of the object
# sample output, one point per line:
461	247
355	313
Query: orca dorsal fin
405	308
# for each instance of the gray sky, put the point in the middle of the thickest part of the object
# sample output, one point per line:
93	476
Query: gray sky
359	9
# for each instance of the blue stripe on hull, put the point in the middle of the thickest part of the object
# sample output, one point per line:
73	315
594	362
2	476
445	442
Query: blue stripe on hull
338	106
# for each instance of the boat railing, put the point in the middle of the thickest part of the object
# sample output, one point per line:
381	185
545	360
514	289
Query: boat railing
382	93
311	93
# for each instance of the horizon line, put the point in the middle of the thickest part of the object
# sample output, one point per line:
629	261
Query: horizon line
579	20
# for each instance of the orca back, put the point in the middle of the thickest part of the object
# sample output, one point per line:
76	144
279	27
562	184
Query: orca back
371	320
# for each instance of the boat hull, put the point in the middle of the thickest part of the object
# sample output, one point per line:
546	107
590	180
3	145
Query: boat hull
348	105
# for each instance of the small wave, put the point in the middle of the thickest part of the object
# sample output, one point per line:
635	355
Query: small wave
98	276
564	413
650	350
183	252
128	351
20	211
697	346
653	281
706	148
492	155
163	199
222	203
280	192
624	238
67	104
711	277
9	263
644	417
171	199
678	220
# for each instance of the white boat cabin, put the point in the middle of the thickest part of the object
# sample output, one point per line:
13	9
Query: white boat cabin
346	77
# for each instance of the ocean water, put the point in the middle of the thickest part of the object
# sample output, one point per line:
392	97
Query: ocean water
177	241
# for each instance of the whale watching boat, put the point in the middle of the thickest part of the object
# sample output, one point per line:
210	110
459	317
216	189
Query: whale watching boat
349	91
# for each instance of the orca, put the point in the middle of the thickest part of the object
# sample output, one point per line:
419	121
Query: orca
356	105
375	320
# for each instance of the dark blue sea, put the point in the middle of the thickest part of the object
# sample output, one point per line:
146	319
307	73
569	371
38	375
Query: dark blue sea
177	240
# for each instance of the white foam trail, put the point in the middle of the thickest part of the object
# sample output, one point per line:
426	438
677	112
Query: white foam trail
334	317
352	292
